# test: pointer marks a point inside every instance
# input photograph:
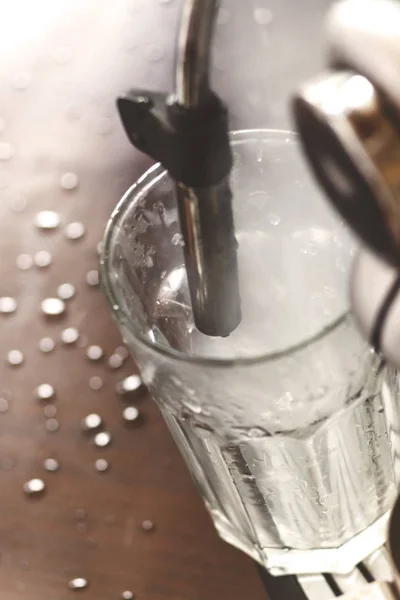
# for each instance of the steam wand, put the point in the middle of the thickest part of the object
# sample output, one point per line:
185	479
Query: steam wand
188	134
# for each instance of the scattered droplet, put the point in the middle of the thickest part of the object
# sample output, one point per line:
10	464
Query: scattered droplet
82	528
122	351
52	307
80	514
102	439
52	425
8	305
63	55
99	248
70	335
92	277
50	411
4	405
115	361
22	80
224	16
51	464
18	203
131	415
148	525
44	391
74	230
94	352
101	465
66	291
47	219
24	262
130	384
110	520
69	181
92	422
34	487
15	358
96	382
79	583
262	16
7	151
46	345
7	463
43	259
127	594
154	52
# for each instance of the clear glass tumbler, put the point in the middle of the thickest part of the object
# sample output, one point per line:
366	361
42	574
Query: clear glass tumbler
283	424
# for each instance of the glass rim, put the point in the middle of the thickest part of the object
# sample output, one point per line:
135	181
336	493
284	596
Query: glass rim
124	317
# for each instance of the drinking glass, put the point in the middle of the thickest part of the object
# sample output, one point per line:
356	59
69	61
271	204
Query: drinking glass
284	424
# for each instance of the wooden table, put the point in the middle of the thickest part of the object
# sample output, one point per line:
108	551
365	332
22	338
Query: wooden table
43	543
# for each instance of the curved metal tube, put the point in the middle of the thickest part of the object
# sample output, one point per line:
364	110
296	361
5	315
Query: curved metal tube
205	214
194	49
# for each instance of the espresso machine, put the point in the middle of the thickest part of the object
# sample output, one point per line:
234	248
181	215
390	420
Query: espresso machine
348	119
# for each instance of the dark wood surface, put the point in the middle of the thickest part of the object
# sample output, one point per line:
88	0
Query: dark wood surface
41	548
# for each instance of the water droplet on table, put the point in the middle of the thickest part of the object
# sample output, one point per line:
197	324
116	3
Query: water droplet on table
52	307
74	230
79	583
94	352
82	528
7	463
69	181
92	422
21	80
47	219
24	262
52	425
115	361
130	384
110	520
50	411
102	439
92	277
42	259
66	291
44	391
4	405
96	382
8	305
51	464
7	151
15	358
101	465
148	525
34	487
122	351
46	345
131	415
80	514
127	594
70	335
